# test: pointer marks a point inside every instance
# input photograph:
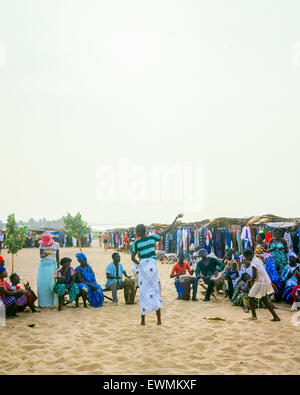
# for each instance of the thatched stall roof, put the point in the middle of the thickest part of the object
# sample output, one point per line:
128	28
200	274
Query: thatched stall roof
225	221
273	219
281	224
267	219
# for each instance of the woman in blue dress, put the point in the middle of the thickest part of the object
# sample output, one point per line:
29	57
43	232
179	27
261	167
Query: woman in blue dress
86	281
272	271
289	278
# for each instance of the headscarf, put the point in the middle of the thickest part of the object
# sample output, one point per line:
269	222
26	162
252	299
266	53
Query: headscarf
1	258
2	269
81	257
260	250
203	252
230	251
292	254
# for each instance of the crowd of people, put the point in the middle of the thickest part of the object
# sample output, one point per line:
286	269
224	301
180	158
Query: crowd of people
249	280
253	279
56	278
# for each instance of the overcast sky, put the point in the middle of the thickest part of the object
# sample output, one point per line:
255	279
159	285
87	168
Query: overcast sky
206	89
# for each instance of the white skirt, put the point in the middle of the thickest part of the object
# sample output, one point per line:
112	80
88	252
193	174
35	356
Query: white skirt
261	290
149	291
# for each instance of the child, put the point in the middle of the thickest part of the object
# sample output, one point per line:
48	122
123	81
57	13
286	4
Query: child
230	272
31	296
262	286
240	295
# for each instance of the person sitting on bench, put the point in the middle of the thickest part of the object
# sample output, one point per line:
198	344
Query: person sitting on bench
182	267
114	275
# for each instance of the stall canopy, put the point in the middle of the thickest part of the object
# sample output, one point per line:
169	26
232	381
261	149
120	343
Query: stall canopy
274	220
267	219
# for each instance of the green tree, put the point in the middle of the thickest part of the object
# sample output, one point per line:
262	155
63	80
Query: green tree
15	238
76	227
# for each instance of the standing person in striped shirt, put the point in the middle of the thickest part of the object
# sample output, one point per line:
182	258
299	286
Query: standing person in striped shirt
148	274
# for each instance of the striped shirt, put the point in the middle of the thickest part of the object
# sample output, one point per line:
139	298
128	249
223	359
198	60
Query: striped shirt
146	246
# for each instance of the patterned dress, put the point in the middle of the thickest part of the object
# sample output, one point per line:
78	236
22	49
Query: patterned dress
290	283
150	299
240	298
271	269
60	288
280	256
9	301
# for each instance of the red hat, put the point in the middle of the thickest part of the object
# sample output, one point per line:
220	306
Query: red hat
1	258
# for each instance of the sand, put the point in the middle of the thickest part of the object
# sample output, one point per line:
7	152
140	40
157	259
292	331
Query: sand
110	340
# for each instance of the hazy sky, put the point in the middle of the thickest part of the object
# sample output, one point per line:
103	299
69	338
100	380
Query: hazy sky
90	87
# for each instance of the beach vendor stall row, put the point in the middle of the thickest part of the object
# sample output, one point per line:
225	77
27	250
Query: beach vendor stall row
215	235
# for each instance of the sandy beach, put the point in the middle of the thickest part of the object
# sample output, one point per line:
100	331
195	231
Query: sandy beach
110	340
